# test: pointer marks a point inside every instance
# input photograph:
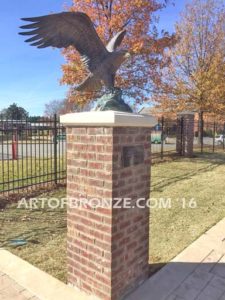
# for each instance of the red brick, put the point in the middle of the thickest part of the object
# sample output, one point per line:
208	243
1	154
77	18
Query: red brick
96	182
95	130
104	243
95	165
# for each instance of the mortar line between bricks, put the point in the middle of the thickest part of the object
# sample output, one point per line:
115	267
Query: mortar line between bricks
89	276
88	219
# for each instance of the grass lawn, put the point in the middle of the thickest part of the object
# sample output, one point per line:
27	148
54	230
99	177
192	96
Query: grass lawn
201	178
171	230
45	232
28	171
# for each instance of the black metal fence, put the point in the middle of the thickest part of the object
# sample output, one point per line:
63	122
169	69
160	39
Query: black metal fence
32	154
209	136
164	137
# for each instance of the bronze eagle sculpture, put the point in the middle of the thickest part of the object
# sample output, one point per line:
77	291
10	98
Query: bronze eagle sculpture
76	29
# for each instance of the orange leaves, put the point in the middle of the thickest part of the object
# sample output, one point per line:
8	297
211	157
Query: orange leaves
195	77
137	47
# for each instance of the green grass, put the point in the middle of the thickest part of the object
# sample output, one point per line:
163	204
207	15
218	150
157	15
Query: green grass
45	232
171	230
27	171
201	178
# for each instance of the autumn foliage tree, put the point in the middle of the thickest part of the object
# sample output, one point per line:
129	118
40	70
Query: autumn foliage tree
142	72
195	78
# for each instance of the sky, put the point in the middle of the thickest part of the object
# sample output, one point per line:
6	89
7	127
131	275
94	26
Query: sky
30	76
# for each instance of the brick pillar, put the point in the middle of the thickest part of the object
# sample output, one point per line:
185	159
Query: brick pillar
185	134
108	243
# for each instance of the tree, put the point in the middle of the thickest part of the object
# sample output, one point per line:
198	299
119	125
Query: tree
53	107
34	119
60	107
3	112
15	112
139	75
195	76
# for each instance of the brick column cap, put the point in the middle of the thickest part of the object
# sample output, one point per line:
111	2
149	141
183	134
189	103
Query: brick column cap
187	112
108	119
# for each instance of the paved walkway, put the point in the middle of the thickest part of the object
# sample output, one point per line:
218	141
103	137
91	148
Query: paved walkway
198	273
19	280
10	290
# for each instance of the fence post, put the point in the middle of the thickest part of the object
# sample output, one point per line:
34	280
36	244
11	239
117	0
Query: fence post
179	137
182	137
185	133
15	146
55	149
223	136
202	131
214	133
162	137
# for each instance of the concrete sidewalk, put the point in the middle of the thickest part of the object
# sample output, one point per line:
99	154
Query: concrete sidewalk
19	280
198	273
10	290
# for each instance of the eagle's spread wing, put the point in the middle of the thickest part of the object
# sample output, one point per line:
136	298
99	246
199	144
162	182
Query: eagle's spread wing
116	41
67	29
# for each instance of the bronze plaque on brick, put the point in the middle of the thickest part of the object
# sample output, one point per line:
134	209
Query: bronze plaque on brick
132	155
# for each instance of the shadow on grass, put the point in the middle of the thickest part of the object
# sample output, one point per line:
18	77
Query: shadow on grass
35	234
217	157
7	198
211	161
30	224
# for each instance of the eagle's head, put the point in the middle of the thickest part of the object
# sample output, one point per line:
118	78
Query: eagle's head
120	57
126	55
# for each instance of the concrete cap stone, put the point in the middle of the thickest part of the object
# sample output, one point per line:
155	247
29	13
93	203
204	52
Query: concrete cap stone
108	119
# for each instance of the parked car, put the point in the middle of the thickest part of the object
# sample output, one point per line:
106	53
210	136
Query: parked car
219	139
156	138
